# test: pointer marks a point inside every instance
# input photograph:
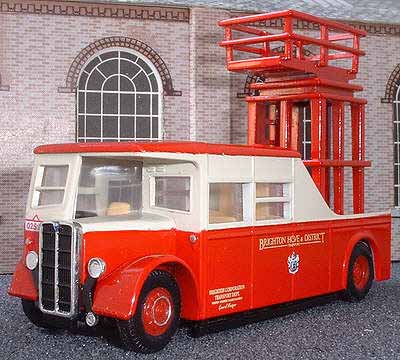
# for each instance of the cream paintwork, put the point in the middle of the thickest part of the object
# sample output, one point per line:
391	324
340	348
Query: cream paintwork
64	210
145	221
307	203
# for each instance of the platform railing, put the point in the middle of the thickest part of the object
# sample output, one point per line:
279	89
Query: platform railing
327	39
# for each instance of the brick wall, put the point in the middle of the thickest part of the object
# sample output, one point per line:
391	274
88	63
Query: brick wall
36	53
210	110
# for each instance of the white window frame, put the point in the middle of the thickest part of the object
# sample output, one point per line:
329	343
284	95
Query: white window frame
38	187
153	193
85	91
247	190
287	200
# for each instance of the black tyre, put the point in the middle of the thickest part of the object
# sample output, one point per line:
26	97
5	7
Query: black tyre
157	315
35	316
360	273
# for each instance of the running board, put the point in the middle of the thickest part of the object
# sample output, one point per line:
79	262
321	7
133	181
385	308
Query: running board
214	325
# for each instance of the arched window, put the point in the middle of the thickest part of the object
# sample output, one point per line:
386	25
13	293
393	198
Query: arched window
119	98
396	139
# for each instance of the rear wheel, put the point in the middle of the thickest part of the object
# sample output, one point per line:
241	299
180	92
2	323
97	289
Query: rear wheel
157	315
360	273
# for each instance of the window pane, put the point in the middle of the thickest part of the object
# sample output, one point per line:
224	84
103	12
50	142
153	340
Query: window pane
110	126
111	84
307	154
172	192
127	104
144	66
82	81
154	104
154	83
126	84
54	176
129	69
143	127
269	190
81	126
93	105
109	187
269	211
89	67
128	56
142	82
307	131
127	127
95	81
93	126
154	125
143	104
81	102
110	103
109	55
226	203
50	197
109	67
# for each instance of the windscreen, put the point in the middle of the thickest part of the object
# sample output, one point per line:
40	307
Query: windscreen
109	187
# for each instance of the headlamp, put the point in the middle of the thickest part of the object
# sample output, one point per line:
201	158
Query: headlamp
96	267
31	260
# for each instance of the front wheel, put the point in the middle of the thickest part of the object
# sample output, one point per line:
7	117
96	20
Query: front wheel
360	273
157	315
35	316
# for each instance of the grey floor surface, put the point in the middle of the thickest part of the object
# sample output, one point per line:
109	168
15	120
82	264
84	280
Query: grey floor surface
369	329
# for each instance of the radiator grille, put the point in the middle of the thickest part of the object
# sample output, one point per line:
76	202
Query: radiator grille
57	274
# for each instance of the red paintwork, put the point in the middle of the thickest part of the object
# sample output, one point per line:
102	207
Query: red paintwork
226	258
292	77
360	272
219	254
23	284
157	313
269	61
189	147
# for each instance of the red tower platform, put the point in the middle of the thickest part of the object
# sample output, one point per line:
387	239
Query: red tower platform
295	68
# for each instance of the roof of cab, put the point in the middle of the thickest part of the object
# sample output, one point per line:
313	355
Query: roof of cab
188	147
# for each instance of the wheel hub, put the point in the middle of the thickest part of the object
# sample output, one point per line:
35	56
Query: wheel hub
360	272
157	311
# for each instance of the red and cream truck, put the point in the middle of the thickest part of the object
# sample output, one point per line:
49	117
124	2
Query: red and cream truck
151	233
148	234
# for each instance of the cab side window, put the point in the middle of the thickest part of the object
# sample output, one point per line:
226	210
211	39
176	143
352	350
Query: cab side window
226	203
272	201
172	192
50	185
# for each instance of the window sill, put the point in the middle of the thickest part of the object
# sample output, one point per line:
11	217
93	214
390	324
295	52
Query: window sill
396	212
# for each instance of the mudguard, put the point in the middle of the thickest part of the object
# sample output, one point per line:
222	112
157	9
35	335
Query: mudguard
380	253
116	295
